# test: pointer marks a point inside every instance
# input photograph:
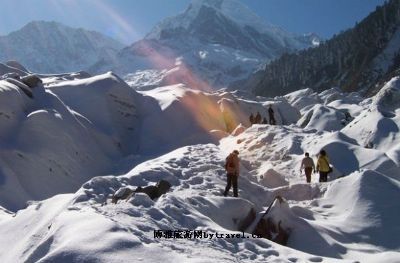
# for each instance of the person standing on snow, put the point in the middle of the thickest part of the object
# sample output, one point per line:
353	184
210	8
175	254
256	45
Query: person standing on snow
272	120
257	119
251	119
323	166
232	172
308	164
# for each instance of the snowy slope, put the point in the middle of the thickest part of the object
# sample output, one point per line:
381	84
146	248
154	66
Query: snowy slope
126	229
47	148
322	224
57	140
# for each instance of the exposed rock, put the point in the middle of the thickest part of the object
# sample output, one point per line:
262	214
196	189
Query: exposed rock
267	229
122	194
163	187
152	191
247	221
31	80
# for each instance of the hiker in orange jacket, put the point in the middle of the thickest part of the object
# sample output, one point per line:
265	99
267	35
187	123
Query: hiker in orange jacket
323	166
232	172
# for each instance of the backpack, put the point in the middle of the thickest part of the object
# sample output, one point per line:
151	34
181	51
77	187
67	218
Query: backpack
330	167
229	163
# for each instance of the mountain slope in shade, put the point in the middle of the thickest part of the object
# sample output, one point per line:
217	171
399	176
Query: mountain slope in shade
50	47
212	43
353	60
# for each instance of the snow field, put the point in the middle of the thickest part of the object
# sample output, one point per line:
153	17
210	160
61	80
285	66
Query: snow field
352	218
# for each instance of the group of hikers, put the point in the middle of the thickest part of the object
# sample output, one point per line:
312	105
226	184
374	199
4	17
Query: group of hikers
232	168
259	120
323	166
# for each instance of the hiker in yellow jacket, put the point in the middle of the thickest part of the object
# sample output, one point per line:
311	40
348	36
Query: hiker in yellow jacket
323	166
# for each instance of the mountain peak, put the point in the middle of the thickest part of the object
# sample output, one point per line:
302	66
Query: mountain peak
42	24
232	10
211	3
229	23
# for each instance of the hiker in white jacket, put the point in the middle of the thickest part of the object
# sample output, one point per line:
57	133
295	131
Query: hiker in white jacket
308	165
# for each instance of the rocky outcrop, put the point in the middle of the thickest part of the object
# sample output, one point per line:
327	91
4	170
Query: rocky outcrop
266	228
152	191
31	80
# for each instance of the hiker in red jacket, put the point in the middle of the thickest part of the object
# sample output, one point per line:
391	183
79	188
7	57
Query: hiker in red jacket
232	172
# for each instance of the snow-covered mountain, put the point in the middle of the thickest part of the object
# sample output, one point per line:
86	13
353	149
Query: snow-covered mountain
228	23
211	42
78	139
50	47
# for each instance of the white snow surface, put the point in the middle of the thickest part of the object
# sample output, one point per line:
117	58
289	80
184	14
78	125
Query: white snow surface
78	140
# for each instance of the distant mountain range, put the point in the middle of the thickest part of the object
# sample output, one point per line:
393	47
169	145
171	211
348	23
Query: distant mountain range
50	47
356	59
212	43
217	41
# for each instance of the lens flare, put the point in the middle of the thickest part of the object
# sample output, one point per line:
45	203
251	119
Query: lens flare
127	30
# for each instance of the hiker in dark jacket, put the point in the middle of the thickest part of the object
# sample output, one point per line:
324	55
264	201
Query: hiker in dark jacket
257	119
323	166
232	172
251	119
308	165
272	120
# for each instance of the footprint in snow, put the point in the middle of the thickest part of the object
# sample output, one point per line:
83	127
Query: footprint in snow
315	259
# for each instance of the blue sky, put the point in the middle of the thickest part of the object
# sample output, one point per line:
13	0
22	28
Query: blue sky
129	20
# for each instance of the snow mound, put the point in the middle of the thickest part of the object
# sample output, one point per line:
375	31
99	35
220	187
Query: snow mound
9	68
377	125
302	98
387	99
359	211
323	118
49	151
273	179
141	199
16	65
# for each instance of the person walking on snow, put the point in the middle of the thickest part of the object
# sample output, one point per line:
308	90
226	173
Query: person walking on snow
323	166
232	172
257	119
272	120
308	164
